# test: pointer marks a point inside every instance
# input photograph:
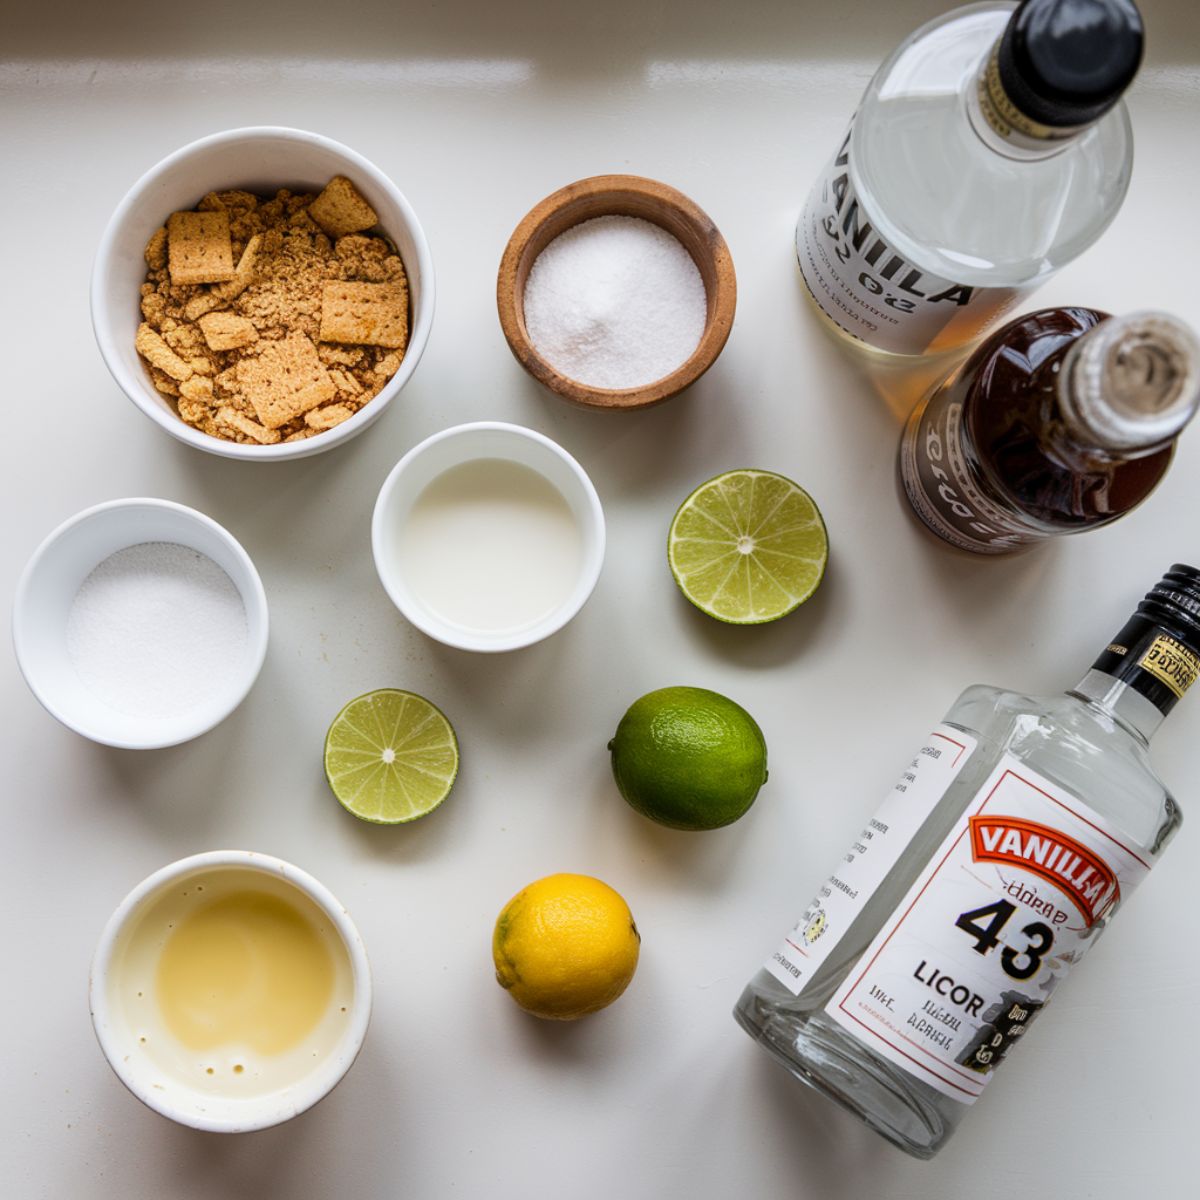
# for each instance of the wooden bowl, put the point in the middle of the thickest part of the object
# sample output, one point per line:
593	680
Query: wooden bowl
626	196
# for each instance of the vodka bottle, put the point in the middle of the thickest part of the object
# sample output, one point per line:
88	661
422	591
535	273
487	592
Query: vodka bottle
1011	839
1061	421
989	150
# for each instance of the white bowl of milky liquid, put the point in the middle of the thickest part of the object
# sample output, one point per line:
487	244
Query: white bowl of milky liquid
140	623
488	536
230	991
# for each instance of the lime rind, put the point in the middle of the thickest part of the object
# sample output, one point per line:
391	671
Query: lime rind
748	547
390	757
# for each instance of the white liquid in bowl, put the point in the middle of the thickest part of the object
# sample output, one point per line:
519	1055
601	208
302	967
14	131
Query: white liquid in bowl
491	545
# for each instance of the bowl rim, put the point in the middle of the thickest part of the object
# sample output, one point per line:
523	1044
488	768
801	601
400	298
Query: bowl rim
590	572
269	864
139	391
510	299
257	598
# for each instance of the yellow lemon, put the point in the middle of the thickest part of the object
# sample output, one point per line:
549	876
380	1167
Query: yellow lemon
565	946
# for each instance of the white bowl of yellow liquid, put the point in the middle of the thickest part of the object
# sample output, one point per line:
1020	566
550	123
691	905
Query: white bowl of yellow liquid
488	536
230	991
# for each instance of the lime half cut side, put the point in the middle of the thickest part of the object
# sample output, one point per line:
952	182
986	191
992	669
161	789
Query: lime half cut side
390	757
748	547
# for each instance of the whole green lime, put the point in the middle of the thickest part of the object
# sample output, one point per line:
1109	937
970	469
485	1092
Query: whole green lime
689	758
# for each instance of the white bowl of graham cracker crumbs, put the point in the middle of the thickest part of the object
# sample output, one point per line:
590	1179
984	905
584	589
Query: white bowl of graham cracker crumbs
241	301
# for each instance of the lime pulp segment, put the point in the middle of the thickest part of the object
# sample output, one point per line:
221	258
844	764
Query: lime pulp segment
748	547
390	756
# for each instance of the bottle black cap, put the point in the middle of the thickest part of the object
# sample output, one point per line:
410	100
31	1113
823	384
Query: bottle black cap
1066	62
1157	653
1174	603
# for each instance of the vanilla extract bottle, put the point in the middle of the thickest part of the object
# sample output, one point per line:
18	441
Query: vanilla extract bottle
1012	838
1061	421
989	150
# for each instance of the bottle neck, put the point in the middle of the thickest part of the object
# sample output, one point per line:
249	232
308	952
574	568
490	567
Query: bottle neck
1144	671
1002	127
1119	701
1149	666
1128	386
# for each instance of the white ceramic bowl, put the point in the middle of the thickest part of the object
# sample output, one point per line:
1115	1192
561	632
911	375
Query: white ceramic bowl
260	159
467	443
175	1098
48	587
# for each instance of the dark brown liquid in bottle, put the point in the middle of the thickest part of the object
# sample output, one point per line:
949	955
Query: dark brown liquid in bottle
1018	440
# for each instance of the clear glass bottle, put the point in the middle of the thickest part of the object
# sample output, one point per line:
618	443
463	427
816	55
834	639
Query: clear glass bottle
1002	853
1061	421
988	151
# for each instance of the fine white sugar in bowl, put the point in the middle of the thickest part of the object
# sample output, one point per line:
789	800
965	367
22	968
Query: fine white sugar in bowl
140	623
261	159
615	302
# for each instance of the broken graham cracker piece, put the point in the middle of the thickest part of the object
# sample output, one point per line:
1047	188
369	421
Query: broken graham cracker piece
328	416
345	382
285	380
158	354
365	314
227	331
197	389
200	304
198	247
340	209
243	424
156	249
243	276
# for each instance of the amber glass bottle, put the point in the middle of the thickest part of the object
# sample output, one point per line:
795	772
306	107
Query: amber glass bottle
1063	420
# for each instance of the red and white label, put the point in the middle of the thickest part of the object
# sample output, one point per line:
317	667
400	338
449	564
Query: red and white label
1011	900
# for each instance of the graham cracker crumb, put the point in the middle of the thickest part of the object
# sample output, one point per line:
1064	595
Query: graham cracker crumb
243	276
250	343
345	382
285	380
328	416
197	389
158	354
163	382
197	306
365	314
227	331
198	247
341	356
341	209
156	249
252	429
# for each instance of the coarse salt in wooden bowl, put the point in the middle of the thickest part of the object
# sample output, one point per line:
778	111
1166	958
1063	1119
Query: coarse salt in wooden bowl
624	196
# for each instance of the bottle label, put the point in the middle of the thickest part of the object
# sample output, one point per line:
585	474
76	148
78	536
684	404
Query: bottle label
1009	902
871	856
1171	662
869	289
1147	658
942	488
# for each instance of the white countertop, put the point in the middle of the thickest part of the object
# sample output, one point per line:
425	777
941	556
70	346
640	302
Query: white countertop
478	110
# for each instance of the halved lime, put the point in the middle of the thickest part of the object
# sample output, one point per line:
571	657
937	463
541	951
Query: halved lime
748	547
390	757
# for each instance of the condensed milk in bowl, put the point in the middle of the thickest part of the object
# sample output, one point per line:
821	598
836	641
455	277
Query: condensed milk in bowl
230	991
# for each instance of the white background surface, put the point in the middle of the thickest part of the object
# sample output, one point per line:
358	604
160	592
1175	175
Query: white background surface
477	110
